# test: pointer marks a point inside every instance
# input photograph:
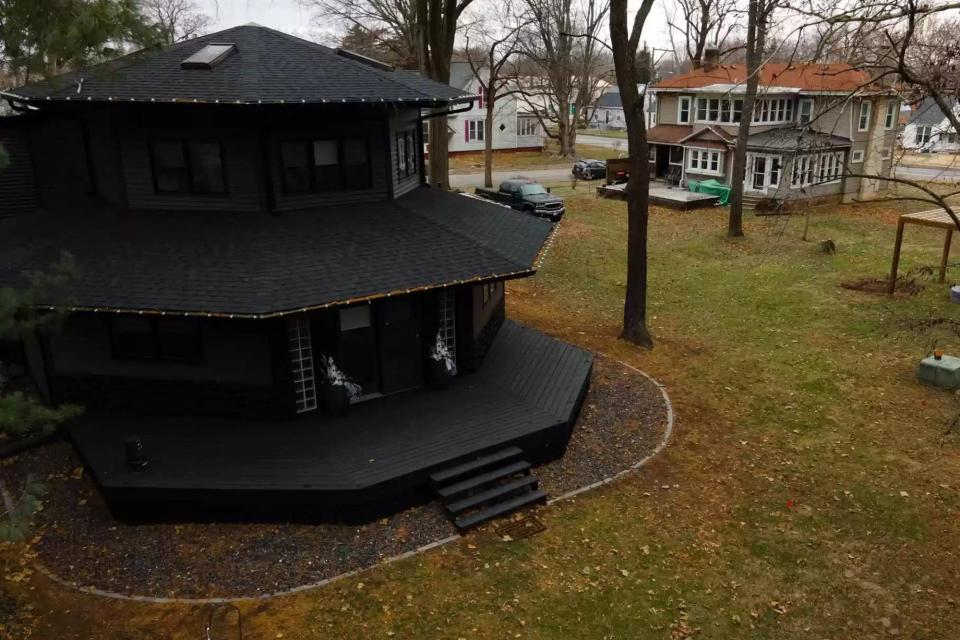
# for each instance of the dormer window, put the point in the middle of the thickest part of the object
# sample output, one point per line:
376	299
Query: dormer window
187	166
322	165
209	56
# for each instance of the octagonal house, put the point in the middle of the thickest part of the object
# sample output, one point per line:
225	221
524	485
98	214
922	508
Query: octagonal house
243	209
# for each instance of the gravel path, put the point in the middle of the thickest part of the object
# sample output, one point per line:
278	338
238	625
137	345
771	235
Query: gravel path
622	420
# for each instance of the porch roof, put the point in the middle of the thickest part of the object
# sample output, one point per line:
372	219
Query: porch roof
668	133
258	265
795	138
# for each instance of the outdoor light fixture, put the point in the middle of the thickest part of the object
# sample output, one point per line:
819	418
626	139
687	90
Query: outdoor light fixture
136	460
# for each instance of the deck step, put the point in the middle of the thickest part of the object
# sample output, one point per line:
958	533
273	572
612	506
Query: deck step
500	508
452	473
498	492
481	480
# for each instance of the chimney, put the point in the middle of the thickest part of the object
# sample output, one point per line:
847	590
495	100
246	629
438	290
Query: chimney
711	57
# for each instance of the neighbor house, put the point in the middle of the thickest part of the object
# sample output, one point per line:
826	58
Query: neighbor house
928	130
249	223
608	110
812	124
515	128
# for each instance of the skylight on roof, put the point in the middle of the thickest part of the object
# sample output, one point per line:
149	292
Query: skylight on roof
209	56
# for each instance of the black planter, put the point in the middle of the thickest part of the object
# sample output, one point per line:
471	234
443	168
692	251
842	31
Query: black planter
336	400
439	375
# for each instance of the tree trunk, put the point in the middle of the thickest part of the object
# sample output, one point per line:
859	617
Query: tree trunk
439	146
638	186
754	53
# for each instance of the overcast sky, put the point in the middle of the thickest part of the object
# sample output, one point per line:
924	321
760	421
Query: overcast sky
297	17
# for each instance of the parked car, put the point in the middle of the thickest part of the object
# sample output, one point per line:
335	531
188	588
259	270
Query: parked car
590	169
527	196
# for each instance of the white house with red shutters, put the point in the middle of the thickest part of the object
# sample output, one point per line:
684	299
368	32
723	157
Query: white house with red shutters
514	127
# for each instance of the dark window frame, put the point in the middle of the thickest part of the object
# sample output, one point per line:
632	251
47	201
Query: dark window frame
184	149
410	160
199	358
312	187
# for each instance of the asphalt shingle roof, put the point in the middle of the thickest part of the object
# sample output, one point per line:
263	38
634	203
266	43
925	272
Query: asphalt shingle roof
268	66
256	264
795	138
609	100
928	112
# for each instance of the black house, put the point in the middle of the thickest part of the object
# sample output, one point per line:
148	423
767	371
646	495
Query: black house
241	209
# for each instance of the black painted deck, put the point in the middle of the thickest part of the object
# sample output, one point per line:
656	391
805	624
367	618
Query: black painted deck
526	393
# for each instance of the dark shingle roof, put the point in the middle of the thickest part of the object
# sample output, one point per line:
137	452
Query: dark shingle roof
928	112
610	100
268	66
257	264
789	138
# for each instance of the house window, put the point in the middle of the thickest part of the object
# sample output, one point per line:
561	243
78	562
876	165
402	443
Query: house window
181	166
488	290
705	161
770	110
701	110
527	126
889	117
830	167
776	167
863	122
166	338
924	134
321	165
804	168
856	157
652	153
717	110
885	155
473	131
683	110
806	110
952	137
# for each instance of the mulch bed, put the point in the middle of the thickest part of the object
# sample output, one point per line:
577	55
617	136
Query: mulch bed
622	420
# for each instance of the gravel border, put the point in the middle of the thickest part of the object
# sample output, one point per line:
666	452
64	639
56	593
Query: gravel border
574	469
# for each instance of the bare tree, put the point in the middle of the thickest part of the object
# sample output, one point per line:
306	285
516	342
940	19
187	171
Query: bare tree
563	40
391	25
498	44
758	17
625	45
702	23
176	19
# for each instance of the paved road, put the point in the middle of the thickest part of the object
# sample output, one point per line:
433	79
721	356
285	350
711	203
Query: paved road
602	141
928	173
551	174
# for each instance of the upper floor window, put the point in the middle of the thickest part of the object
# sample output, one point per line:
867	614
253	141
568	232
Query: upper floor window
890	116
527	126
320	165
683	110
863	121
182	166
806	110
473	130
770	110
721	110
406	153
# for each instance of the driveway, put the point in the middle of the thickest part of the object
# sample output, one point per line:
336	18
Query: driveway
928	173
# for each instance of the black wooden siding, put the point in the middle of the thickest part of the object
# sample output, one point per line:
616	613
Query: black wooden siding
18	191
60	161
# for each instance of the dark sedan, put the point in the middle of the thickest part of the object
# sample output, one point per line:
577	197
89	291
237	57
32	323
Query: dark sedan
590	169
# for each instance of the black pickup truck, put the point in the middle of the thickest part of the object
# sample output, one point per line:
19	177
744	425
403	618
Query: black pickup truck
527	196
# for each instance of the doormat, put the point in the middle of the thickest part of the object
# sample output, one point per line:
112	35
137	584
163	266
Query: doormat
522	528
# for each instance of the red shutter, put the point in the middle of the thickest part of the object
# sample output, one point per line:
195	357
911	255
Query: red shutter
466	131
480	101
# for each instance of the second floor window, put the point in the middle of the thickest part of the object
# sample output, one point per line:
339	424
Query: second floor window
406	153
888	119
863	122
182	166
683	110
924	134
321	165
806	111
720	110
769	110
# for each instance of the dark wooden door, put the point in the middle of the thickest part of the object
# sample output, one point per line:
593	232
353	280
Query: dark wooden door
401	357
357	347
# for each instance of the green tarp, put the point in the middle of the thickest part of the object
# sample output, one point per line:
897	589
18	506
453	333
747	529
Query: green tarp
711	187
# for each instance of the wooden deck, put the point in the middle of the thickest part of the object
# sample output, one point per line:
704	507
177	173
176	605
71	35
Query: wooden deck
527	394
675	197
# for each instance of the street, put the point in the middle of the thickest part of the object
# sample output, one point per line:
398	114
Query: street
552	174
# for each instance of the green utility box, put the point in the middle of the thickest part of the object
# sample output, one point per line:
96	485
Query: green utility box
944	372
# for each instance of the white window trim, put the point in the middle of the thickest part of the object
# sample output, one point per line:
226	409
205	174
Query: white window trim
527	121
730	100
885	155
784	110
698	169
860	114
856	157
689	102
889	118
800	104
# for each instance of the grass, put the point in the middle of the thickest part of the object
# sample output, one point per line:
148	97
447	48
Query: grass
932	160
810	490
505	161
603	133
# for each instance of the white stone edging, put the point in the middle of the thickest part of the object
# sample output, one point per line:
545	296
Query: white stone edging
668	433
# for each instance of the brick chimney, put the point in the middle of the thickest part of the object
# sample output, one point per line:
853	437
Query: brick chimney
711	57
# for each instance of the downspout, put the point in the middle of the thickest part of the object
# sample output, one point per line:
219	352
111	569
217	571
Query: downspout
437	114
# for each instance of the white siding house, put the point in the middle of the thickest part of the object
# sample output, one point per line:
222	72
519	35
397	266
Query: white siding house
514	128
928	130
608	110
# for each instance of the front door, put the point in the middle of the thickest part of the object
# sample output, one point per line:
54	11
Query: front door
401	360
759	173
